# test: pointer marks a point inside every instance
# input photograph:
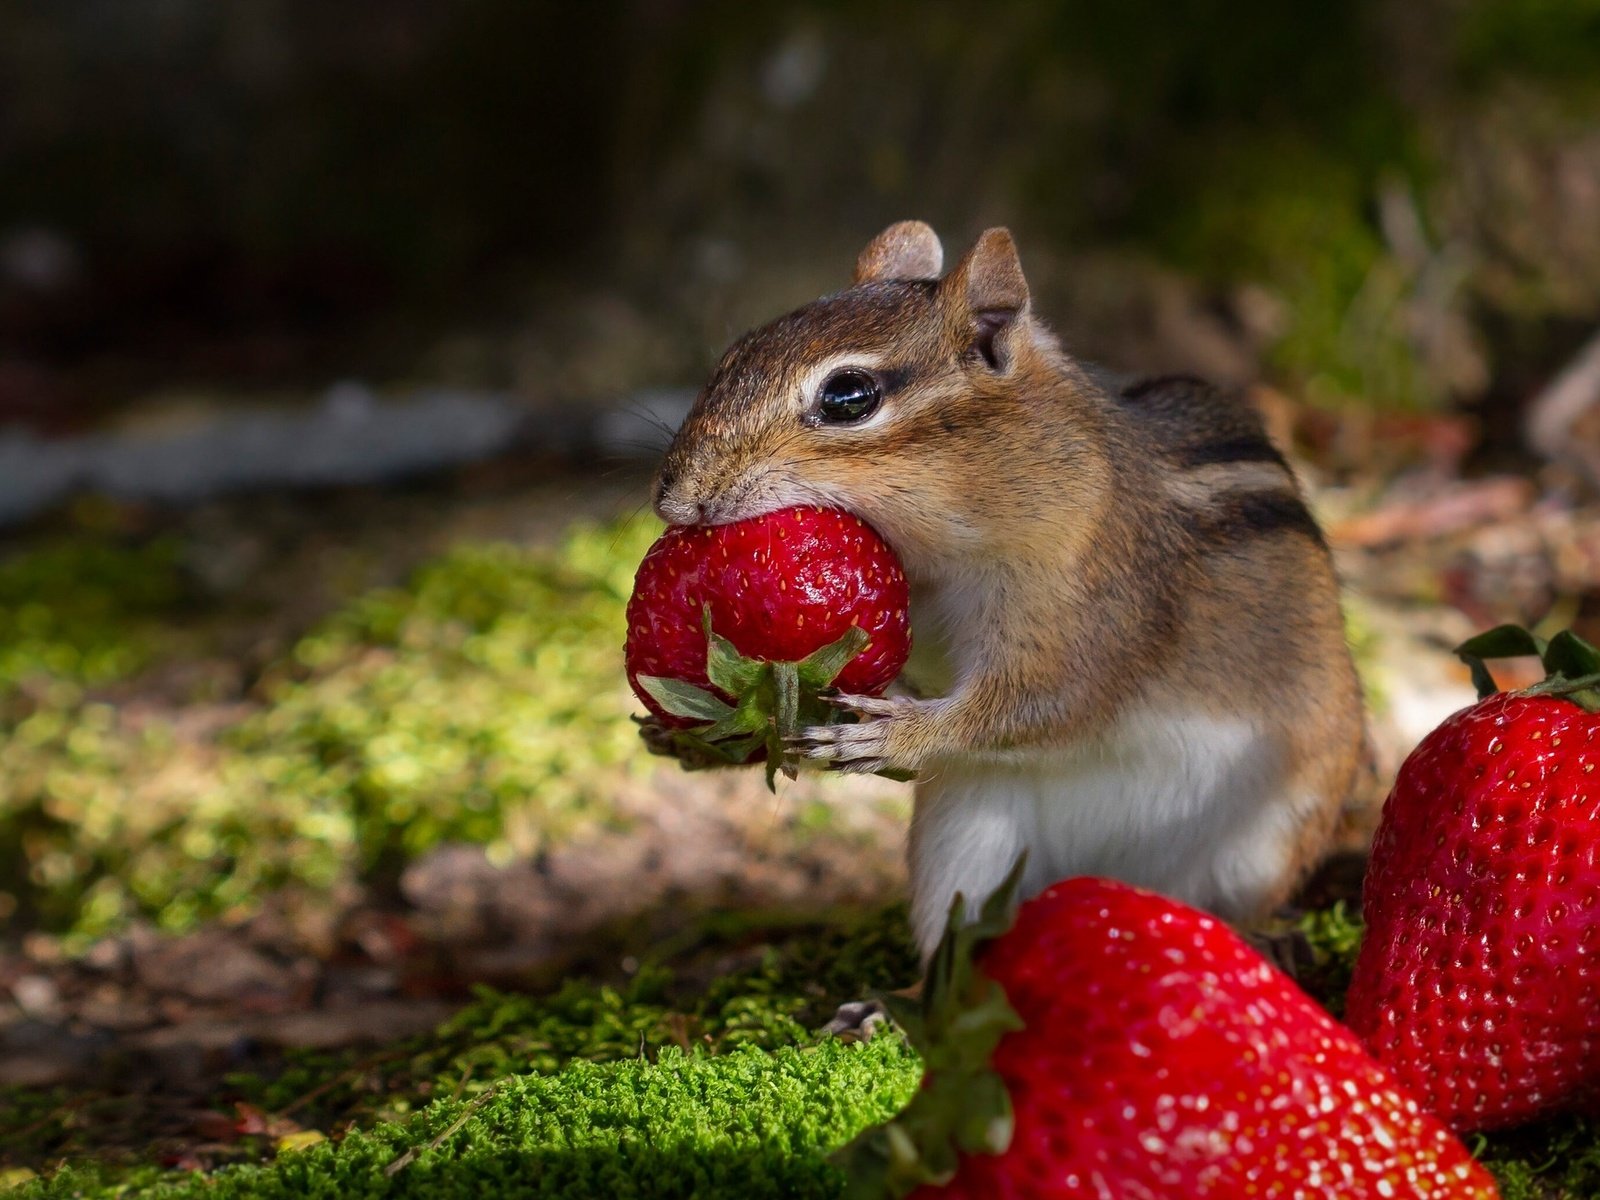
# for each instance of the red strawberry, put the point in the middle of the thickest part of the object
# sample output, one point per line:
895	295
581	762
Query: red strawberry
1118	1044
1479	978
798	600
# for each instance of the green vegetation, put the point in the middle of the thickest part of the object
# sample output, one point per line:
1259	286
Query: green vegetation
1334	935
589	1083
1280	194
748	1123
1559	1160
1365	647
791	990
1544	39
1295	216
81	612
484	701
650	1090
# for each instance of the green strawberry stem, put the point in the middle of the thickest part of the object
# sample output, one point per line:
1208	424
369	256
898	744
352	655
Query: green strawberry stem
774	701
963	1106
1572	665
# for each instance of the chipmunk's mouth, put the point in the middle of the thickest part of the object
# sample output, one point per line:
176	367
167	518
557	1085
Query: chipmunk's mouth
720	509
755	497
710	512
751	498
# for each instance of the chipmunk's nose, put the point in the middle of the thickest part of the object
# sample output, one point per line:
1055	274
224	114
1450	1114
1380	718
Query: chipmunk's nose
679	512
674	510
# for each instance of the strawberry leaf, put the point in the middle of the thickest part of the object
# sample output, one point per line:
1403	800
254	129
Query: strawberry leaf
786	719
691	750
1503	641
688	745
990	1124
1570	656
684	699
786	679
1572	665
743	748
963	1106
750	716
822	666
725	666
774	701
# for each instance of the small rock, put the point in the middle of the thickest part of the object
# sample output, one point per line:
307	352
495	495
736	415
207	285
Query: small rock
37	997
35	1054
212	965
108	954
380	1021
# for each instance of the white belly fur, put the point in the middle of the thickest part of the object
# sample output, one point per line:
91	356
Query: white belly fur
1191	805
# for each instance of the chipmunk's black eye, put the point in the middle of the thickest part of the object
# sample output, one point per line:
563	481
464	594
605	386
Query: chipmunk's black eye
849	395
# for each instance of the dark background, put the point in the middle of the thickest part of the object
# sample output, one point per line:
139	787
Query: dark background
1390	205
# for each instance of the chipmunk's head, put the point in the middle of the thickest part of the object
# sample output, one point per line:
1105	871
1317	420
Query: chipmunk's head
888	399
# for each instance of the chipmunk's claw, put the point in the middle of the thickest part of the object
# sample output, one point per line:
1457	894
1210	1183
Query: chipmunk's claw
880	739
870	706
853	753
857	1020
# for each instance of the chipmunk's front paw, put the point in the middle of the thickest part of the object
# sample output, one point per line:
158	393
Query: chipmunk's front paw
891	734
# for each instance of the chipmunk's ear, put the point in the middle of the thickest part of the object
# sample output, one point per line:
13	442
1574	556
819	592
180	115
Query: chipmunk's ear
906	250
986	295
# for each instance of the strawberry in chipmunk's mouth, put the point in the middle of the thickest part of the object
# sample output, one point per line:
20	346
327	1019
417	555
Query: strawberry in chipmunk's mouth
738	629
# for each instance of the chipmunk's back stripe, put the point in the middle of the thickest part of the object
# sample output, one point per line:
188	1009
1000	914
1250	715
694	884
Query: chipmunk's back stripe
1244	515
1142	388
1247	447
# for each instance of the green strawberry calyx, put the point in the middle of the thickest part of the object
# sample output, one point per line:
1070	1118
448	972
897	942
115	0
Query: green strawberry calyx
1572	665
962	1107
773	701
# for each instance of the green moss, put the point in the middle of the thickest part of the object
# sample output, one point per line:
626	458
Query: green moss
1334	936
484	701
653	1029
1551	40
82	611
642	1091
748	1123
1296	215
793	988
792	979
75	613
1365	648
1556	1160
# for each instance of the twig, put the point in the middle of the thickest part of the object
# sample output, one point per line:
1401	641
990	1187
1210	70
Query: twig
406	1159
348	1073
62	1110
1564	400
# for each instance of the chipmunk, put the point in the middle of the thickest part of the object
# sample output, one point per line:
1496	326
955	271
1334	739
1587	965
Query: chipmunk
1152	680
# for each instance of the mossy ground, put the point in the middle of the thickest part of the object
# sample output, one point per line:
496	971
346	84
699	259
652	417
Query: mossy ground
643	1092
649	1089
481	702
700	1075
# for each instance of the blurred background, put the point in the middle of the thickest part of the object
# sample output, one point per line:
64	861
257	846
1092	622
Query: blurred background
336	343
